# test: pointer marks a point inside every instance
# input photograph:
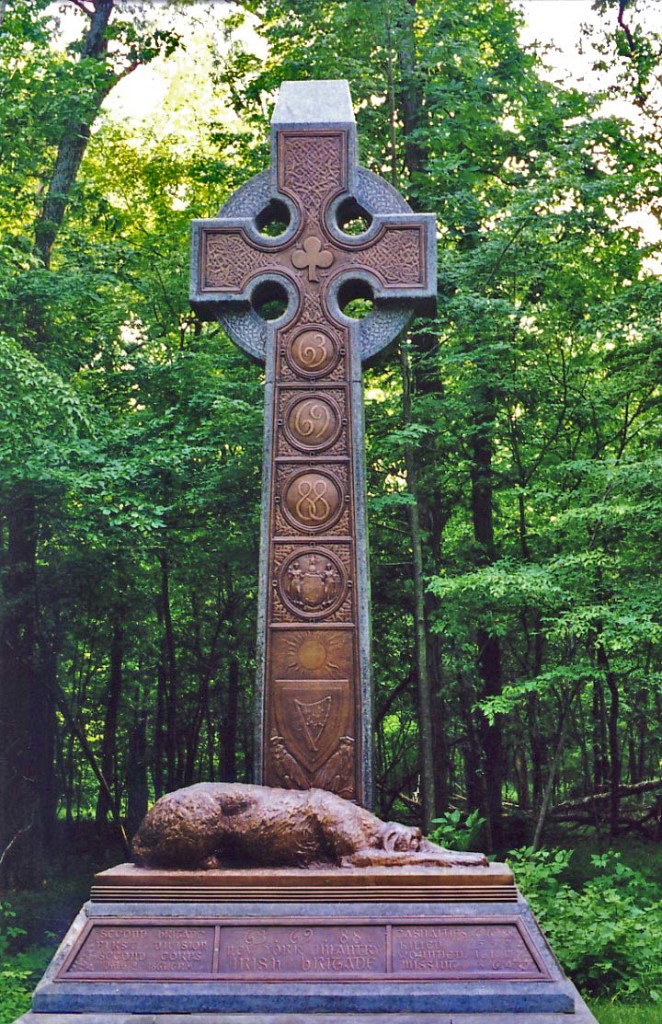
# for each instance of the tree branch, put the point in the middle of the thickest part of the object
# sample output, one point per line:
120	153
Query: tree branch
624	791
80	734
632	45
640	96
89	12
14	839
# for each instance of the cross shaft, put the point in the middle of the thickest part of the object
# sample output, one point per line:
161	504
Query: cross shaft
314	703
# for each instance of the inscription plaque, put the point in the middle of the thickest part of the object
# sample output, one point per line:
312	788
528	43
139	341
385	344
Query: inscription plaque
470	950
314	953
138	951
305	950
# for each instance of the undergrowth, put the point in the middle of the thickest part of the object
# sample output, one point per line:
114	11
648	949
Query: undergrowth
20	970
608	933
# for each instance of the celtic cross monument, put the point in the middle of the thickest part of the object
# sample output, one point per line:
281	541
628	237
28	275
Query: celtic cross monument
314	720
231	928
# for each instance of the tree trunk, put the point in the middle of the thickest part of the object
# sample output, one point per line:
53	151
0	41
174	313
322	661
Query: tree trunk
489	650
206	668
442	764
424	698
26	766
489	661
159	724
471	752
549	788
109	741
600	765
614	749
136	774
48	672
410	96
642	739
538	750
172	734
75	137
227	731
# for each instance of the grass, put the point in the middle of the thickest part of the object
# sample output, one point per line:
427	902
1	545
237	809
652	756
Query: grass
610	1013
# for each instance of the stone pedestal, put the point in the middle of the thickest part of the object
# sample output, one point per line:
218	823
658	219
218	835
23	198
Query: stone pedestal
582	1016
325	946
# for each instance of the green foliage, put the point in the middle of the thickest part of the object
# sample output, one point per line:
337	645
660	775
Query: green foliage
42	415
18	976
608	935
9	930
458	831
137	431
19	969
545	356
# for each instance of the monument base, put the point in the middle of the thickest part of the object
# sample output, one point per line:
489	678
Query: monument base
582	1016
284	946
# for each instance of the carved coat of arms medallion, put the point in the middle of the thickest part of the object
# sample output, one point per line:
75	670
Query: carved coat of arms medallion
312	583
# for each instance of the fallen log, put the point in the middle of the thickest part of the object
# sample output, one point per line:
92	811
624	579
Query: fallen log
623	791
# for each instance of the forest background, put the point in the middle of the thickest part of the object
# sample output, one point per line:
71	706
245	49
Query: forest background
513	447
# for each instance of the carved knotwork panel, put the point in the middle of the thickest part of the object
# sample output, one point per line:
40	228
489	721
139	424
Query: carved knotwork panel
288	376
313	311
229	260
312	167
285	530
397	257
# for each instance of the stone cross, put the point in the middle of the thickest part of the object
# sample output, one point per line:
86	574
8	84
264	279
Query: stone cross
314	717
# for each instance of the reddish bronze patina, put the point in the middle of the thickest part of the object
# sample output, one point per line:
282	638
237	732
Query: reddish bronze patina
312	713
222	824
413	883
308	949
